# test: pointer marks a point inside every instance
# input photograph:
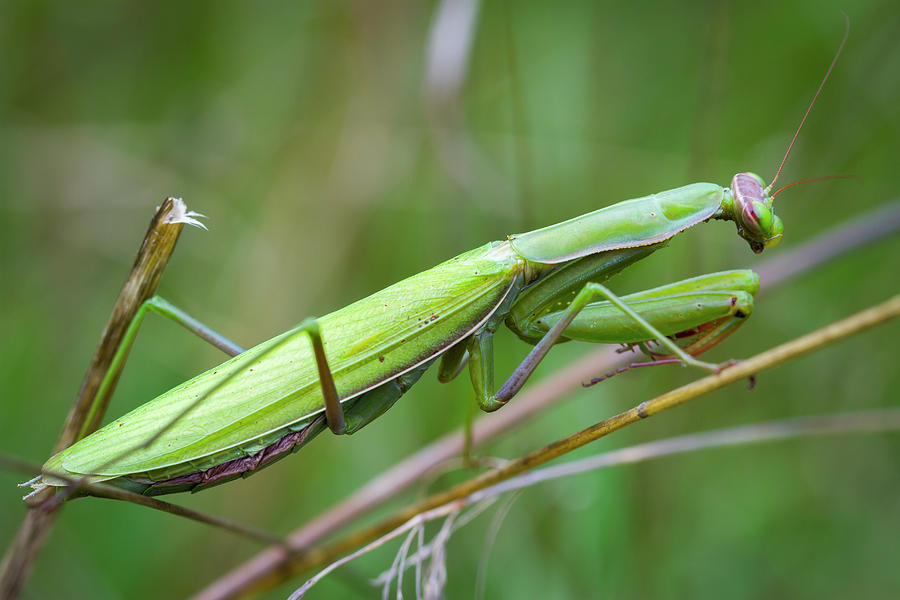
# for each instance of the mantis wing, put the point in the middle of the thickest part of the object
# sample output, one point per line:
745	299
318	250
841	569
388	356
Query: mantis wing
367	343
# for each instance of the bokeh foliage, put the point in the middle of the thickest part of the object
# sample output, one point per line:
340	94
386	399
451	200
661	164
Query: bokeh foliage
306	131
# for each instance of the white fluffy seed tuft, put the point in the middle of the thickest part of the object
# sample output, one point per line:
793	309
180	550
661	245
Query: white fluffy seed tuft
181	214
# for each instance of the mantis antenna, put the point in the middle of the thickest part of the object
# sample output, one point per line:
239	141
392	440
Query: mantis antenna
815	97
781	189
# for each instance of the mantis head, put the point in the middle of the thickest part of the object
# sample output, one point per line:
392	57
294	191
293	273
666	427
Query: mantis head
751	204
752	212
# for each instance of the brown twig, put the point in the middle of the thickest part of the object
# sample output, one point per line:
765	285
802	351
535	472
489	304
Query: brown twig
302	560
99	490
848	236
152	258
865	422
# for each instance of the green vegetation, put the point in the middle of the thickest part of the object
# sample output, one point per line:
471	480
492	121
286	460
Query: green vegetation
305	131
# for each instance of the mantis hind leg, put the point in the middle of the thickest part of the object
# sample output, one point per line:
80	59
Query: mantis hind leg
334	414
361	410
333	411
163	307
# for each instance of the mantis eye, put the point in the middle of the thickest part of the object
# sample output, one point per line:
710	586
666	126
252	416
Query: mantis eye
764	225
757	218
776	233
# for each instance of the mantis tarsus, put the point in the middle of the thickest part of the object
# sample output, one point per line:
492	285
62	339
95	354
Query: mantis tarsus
343	370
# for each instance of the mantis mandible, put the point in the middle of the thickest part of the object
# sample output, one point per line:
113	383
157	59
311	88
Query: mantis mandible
345	369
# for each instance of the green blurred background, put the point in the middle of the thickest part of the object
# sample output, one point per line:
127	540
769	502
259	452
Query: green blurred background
334	155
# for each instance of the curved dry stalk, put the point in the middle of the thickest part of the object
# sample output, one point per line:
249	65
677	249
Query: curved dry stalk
88	410
872	421
243	530
454	498
99	490
866	229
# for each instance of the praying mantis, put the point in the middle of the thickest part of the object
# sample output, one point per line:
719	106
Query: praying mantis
345	369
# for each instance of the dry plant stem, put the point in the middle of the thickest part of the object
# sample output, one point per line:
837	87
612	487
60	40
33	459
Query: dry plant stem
302	560
848	236
761	362
15	464
404	474
873	421
98	490
151	261
870	421
245	531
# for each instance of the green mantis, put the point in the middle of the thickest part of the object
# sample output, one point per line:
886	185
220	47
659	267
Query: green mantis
343	370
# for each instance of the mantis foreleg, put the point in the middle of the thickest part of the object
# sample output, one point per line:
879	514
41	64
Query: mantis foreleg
481	346
593	289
